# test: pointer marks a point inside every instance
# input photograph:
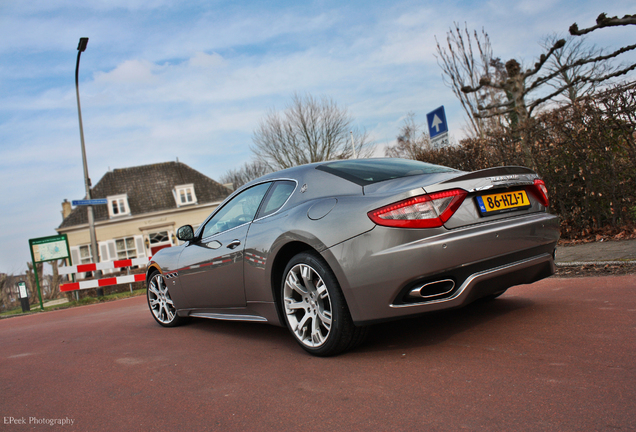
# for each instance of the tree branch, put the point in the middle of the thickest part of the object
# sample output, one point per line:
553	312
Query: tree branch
483	82
494	114
496	105
612	75
581	62
603	21
544	57
539	101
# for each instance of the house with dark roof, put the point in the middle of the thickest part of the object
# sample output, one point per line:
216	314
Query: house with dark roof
146	205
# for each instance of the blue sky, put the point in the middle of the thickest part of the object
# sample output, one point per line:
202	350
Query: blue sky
164	79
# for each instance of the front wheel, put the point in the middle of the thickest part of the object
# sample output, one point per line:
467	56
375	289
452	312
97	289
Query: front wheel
315	309
160	303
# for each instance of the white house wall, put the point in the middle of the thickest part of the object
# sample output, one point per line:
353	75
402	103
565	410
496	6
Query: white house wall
136	226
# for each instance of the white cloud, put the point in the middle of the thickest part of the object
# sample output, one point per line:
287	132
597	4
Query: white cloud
130	72
206	61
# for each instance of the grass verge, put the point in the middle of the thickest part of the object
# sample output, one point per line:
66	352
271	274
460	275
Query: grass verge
81	302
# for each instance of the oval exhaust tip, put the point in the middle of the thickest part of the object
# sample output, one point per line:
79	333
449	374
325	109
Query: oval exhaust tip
433	289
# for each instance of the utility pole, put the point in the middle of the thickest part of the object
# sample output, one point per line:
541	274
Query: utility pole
81	47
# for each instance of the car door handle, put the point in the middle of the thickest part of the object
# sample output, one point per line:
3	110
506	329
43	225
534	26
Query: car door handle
233	244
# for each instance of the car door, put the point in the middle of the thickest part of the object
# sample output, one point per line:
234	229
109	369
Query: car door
211	265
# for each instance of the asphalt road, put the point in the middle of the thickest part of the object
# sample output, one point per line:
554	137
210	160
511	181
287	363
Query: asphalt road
556	355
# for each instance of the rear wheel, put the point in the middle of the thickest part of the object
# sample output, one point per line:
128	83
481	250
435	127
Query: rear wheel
160	303
315	309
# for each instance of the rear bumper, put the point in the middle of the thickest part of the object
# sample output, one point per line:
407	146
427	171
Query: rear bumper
489	282
378	269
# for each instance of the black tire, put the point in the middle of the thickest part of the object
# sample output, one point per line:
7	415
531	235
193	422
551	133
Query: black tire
315	309
160	304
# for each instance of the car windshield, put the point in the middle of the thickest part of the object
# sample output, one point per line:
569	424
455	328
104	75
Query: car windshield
369	171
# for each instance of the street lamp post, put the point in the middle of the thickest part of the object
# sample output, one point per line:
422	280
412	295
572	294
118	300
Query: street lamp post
81	47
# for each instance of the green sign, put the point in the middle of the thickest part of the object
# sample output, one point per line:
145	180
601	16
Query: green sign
47	249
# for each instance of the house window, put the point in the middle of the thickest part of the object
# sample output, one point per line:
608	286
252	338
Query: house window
85	254
126	248
159	237
158	241
118	206
184	195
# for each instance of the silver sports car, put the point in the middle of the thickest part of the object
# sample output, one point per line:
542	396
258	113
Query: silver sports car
328	248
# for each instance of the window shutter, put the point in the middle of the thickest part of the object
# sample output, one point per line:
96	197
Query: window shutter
76	260
103	252
75	256
141	250
111	249
104	255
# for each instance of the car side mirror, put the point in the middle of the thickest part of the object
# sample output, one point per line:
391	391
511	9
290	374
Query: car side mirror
185	233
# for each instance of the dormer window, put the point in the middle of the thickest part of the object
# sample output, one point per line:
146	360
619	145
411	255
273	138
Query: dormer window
118	206
184	195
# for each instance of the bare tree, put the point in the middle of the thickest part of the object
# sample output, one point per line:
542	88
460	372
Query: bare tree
411	141
519	83
55	279
309	130
248	172
567	78
464	61
7	299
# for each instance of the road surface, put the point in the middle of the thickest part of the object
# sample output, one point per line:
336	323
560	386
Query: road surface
556	355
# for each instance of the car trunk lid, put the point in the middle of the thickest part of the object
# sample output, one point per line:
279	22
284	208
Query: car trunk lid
493	193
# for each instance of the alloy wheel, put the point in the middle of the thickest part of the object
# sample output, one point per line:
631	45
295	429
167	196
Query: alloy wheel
159	300
307	305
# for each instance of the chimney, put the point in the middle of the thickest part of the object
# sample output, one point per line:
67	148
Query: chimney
66	209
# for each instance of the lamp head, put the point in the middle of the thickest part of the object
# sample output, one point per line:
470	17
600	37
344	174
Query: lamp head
81	47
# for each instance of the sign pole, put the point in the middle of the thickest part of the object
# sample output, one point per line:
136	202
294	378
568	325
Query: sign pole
37	284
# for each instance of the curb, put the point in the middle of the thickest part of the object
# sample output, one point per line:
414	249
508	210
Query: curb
596	263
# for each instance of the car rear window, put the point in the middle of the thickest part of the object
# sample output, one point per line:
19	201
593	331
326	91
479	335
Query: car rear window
369	171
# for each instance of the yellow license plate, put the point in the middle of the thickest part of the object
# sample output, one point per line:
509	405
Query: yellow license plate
500	202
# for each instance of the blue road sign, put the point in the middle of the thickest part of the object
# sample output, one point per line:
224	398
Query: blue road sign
437	122
96	201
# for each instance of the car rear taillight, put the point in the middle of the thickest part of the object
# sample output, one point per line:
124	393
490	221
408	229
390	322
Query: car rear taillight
423	211
540	191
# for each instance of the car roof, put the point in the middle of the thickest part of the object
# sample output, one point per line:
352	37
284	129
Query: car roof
360	171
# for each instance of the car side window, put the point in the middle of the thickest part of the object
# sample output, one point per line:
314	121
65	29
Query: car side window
276	197
240	210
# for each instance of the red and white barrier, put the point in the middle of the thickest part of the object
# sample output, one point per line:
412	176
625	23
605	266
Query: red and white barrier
106	265
97	283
